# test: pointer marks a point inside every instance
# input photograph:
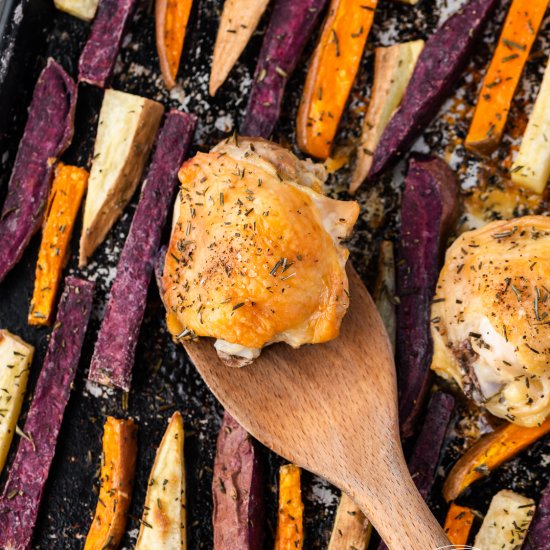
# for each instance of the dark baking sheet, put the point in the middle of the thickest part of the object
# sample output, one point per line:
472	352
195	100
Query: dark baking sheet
164	379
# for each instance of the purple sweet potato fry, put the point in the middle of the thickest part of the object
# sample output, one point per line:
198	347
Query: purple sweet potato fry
115	347
427	448
428	211
290	27
27	477
538	536
47	134
98	57
437	71
237	490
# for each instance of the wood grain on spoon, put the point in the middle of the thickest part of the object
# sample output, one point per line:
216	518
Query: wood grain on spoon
332	409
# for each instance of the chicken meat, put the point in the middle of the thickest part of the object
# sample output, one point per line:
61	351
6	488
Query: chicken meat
491	318
256	254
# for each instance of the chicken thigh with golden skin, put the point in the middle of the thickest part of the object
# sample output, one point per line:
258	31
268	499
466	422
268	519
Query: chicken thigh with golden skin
255	255
491	318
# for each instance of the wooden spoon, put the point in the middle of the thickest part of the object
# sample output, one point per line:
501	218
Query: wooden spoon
332	409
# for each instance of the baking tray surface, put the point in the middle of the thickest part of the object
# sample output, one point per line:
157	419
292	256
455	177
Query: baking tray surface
164	379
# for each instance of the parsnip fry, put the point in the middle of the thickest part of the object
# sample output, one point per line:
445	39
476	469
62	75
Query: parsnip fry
68	188
488	453
458	524
15	361
171	17
83	9
503	75
163	524
126	130
117	478
290	529
335	60
393	68
532	166
506	522
351	528
238	22
385	290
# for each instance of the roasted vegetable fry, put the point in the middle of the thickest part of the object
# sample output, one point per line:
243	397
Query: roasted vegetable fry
458	524
15	362
125	133
539	532
237	490
47	134
531	168
83	9
506	522
439	66
171	17
428	211
503	75
28	474
116	478
384	290
68	188
335	60
488	453
116	342
393	68
290	530
98	57
427	448
351	528
290	26
163	524
160	259
238	22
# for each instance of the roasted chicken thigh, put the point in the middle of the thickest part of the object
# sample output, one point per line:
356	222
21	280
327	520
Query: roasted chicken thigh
491	318
256	253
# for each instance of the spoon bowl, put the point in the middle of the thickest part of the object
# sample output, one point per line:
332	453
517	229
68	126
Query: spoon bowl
332	409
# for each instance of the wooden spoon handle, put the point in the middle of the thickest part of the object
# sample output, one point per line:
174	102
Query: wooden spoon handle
398	512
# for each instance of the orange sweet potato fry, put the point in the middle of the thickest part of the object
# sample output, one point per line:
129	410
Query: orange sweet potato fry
290	530
458	524
117	477
331	74
171	17
68	188
501	80
490	452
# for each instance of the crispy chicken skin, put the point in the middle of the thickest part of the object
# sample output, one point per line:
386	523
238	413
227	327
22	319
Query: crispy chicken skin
491	318
255	254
